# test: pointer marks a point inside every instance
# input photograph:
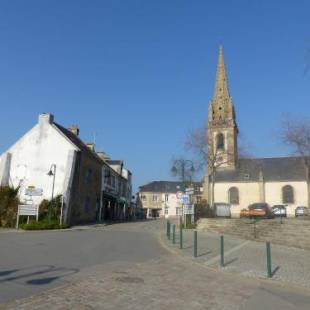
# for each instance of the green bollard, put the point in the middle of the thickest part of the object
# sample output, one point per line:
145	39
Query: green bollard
173	234
269	267
168	230
222	252
195	244
181	237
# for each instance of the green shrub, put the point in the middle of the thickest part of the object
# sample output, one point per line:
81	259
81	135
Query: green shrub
43	225
189	226
8	206
55	205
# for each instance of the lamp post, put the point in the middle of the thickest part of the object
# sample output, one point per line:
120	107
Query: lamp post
51	173
184	168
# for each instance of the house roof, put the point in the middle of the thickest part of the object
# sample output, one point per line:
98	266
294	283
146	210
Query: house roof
78	142
272	169
164	186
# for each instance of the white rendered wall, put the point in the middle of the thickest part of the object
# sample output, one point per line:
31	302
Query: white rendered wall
273	193
32	157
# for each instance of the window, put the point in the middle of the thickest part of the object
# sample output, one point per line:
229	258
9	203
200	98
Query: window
233	195
287	194
166	210
143	197
166	197
220	141
89	175
154	198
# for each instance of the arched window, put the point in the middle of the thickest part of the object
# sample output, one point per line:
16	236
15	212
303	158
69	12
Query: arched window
287	194
233	195
220	141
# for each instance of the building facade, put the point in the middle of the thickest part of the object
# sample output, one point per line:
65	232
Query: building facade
160	199
242	181
52	160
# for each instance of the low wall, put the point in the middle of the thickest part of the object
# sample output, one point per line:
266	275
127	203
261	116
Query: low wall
293	232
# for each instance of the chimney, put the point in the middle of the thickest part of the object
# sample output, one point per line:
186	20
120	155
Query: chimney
46	118
91	146
75	129
103	156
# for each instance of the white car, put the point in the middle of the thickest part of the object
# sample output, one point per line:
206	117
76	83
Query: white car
302	211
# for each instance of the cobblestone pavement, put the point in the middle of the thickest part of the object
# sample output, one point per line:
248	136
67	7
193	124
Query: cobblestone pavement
248	258
166	282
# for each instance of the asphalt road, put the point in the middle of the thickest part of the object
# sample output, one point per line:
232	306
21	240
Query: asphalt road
34	261
123	266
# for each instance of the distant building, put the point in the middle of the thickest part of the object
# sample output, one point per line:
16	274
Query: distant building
243	181
159	198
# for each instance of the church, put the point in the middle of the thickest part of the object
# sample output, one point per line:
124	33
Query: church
239	181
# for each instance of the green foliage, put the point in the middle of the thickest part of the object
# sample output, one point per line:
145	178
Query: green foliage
43	225
55	205
203	210
8	206
189	226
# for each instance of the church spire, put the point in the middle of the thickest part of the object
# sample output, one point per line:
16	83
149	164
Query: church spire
221	84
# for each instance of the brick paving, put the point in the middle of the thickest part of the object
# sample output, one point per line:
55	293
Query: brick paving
248	258
170	281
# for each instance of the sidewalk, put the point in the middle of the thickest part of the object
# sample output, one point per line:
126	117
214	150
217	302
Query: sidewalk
247	258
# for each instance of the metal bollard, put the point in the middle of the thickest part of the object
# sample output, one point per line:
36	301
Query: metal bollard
168	230
222	252
173	233
181	237
195	244
269	265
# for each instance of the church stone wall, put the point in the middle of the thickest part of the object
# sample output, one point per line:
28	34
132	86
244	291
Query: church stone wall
273	192
248	193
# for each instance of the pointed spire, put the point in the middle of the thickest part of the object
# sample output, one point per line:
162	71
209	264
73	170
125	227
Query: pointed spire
221	84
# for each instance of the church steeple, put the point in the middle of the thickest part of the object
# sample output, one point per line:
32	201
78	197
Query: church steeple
221	85
222	127
221	104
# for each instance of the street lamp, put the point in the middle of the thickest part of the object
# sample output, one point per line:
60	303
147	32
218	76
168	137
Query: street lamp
184	167
51	173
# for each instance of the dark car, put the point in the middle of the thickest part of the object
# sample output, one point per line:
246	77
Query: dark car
260	209
301	211
279	210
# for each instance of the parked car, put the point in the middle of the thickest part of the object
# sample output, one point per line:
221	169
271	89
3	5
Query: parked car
222	209
279	210
262	210
301	211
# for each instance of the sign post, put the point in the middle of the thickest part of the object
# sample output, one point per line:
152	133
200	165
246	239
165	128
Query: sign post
29	210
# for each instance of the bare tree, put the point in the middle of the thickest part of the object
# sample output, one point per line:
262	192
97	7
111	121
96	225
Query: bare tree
295	133
209	159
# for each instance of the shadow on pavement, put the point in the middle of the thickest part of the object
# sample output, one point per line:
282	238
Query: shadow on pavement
50	273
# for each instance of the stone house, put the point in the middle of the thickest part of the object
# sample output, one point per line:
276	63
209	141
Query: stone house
243	181
159	198
77	169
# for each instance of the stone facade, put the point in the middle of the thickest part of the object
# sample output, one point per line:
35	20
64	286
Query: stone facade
243	181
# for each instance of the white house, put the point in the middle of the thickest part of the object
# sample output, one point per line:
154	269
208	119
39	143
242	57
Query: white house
75	169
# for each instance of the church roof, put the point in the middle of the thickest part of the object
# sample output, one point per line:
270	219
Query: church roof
272	169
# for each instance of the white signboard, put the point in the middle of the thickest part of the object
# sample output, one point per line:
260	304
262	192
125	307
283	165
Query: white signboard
28	210
188	209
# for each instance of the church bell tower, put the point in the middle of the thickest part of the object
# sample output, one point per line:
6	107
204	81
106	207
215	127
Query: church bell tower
222	128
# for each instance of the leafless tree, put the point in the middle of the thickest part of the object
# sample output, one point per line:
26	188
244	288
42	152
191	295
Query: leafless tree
208	159
295	133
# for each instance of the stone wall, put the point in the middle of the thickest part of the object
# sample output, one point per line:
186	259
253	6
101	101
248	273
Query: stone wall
293	232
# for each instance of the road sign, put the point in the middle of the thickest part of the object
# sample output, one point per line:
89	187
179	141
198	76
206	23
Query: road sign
33	191
189	209
185	199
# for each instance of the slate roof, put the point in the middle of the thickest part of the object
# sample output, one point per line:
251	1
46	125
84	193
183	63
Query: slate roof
164	186
78	142
273	169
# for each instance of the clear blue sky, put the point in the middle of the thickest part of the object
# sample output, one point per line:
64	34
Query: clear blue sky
141	73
